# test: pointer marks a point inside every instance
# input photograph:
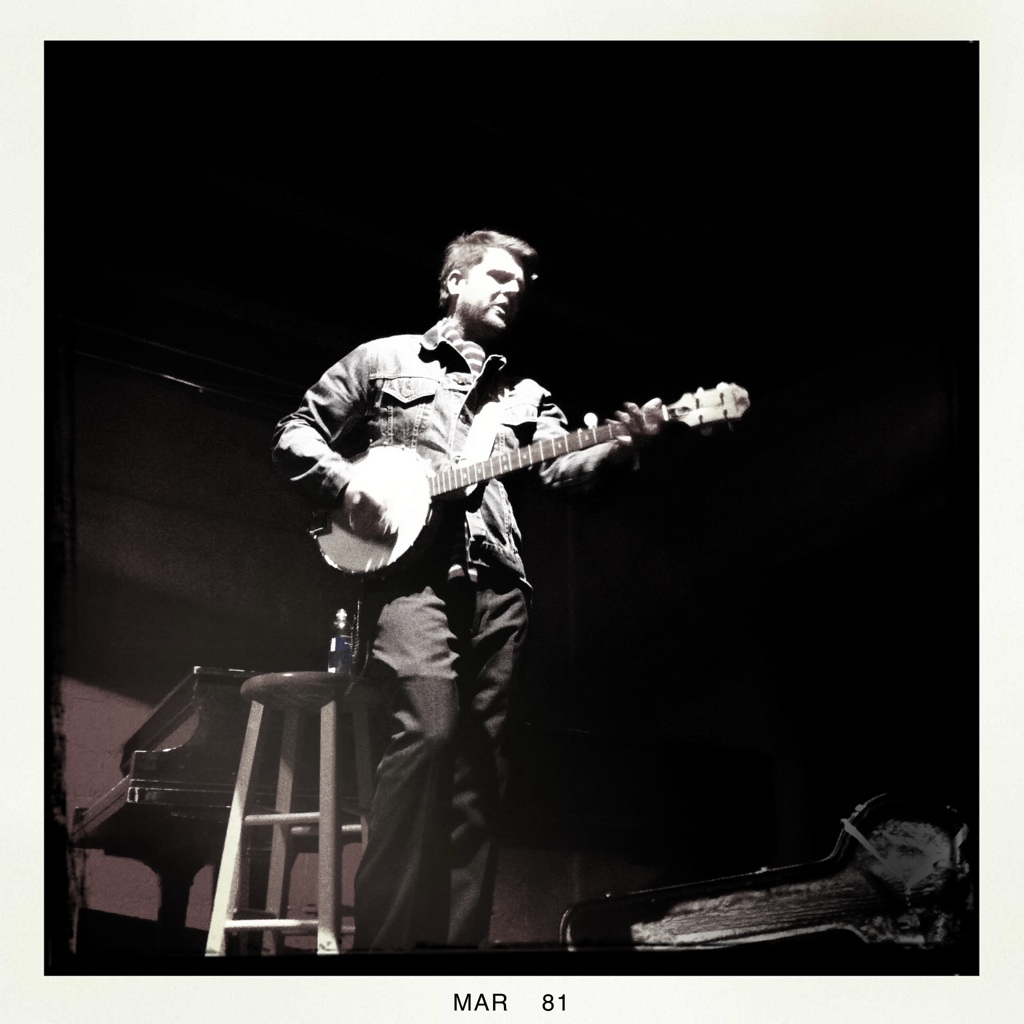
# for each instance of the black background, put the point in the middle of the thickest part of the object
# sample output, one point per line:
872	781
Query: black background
770	209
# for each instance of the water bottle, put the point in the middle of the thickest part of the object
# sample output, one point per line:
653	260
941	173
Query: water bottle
340	657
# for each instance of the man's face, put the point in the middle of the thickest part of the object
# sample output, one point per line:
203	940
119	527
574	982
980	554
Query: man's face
487	295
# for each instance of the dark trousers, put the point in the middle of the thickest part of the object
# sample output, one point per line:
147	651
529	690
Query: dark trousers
448	653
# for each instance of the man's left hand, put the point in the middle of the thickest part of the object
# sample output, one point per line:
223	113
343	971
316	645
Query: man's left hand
644	424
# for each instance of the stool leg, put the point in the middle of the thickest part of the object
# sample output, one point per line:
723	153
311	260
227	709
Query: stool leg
364	764
329	860
231	860
281	858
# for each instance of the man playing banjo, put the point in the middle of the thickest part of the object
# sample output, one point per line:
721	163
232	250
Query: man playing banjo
442	631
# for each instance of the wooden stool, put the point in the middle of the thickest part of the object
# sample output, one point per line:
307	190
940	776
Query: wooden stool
295	693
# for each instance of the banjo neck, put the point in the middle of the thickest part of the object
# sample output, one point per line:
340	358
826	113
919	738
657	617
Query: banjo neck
701	408
458	476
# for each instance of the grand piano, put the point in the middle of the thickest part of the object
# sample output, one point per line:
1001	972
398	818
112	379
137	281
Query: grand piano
170	809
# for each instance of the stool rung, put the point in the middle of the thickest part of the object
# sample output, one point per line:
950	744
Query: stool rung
280	924
283	818
285	924
299	820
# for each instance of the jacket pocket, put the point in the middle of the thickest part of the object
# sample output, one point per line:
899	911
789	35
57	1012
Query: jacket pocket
406	390
403	403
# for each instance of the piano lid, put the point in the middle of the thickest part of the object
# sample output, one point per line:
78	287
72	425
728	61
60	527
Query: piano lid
203	691
180	763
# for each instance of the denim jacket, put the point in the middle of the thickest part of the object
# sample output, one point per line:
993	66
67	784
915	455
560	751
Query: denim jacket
417	391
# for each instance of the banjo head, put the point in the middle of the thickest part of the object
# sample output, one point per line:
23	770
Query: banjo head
400	472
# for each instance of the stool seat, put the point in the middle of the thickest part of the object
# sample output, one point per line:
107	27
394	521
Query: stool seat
308	691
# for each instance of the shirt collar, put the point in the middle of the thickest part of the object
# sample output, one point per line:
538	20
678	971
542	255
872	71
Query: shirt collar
433	337
436	335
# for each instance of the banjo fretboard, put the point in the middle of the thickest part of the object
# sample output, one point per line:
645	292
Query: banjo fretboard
458	476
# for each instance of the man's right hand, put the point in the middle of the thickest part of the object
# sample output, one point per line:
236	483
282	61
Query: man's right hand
366	516
372	500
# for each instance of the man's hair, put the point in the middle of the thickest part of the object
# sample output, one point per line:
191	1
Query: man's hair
468	250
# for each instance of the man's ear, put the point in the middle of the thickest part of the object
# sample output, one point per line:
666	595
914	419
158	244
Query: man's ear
455	282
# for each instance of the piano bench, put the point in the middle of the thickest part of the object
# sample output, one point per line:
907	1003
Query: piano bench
295	694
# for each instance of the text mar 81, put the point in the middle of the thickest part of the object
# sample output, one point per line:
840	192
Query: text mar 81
498	1001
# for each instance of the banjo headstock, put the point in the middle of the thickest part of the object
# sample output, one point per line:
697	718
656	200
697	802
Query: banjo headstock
703	408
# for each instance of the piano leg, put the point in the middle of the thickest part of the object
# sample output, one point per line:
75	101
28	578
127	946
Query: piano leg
176	878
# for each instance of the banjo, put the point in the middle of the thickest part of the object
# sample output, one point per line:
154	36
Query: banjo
421	486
